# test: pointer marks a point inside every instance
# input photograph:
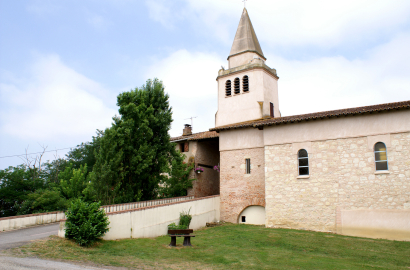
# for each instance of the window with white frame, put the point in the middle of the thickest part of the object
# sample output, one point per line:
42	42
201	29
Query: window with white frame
380	157
303	162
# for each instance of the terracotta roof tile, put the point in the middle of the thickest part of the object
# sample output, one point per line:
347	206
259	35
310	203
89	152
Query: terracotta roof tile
197	136
318	115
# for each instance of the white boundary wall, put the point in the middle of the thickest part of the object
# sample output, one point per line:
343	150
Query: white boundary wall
23	221
19	222
153	221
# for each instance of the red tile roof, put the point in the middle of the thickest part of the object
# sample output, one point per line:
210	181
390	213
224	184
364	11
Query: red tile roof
197	136
317	116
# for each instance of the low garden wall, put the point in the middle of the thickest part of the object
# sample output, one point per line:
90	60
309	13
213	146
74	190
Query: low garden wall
23	221
153	221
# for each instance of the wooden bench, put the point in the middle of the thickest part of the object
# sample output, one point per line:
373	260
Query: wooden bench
180	233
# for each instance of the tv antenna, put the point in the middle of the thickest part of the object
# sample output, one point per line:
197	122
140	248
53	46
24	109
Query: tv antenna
192	120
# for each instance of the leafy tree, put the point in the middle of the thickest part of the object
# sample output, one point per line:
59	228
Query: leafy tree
84	153
136	150
73	182
178	182
52	169
86	222
15	184
43	200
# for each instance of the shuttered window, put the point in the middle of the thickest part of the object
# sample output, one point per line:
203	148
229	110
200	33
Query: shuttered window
237	87
271	110
228	88
245	83
248	166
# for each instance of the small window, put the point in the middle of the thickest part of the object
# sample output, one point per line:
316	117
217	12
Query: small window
380	157
248	165
243	218
245	83
237	86
272	114
184	147
303	162
228	87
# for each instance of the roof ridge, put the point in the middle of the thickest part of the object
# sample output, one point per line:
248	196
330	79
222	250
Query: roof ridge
316	115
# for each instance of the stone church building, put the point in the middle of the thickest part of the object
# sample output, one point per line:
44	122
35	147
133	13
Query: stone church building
344	171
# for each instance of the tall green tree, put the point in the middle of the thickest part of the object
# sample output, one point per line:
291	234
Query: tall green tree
136	150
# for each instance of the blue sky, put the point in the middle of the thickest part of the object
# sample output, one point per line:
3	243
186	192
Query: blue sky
62	63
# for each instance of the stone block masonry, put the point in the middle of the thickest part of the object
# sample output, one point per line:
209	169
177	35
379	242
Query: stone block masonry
238	189
342	178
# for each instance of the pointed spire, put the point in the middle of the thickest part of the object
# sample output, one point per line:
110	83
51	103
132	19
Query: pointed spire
245	38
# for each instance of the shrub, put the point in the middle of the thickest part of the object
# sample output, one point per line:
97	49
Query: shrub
185	219
41	201
86	222
173	226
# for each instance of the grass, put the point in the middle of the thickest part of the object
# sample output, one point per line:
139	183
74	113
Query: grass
234	246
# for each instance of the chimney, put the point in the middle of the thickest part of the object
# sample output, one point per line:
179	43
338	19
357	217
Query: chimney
187	130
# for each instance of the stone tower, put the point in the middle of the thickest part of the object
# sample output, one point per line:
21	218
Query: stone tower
248	89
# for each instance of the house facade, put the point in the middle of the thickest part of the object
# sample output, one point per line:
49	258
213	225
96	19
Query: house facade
344	171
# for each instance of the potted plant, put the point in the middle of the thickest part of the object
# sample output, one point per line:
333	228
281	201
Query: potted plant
216	168
199	169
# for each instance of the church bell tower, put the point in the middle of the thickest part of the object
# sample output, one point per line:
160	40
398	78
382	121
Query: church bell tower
248	89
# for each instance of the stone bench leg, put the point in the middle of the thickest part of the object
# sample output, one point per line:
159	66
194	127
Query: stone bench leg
187	241
173	241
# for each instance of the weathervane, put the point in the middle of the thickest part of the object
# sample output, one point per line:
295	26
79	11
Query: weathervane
244	3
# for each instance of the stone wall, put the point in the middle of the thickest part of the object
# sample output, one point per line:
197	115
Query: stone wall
240	190
342	177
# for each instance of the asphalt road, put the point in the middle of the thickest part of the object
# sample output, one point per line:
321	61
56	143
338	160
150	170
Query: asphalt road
13	263
21	237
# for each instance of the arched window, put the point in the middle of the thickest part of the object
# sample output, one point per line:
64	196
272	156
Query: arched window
237	86
380	157
303	162
245	83
228	87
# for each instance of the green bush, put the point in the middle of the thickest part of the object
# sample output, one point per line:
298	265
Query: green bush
173	226
185	218
86	222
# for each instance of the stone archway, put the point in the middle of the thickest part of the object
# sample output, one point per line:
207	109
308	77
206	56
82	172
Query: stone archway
253	214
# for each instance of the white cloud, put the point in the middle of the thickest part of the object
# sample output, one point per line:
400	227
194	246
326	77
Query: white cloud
320	84
55	103
189	79
161	11
320	23
329	83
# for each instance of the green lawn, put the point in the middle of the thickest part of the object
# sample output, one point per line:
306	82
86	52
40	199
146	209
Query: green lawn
234	246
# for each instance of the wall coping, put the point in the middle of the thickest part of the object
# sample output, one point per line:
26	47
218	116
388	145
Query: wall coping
32	215
153	206
102	206
108	205
160	205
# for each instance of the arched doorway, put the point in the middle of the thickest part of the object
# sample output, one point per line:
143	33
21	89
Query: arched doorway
253	214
